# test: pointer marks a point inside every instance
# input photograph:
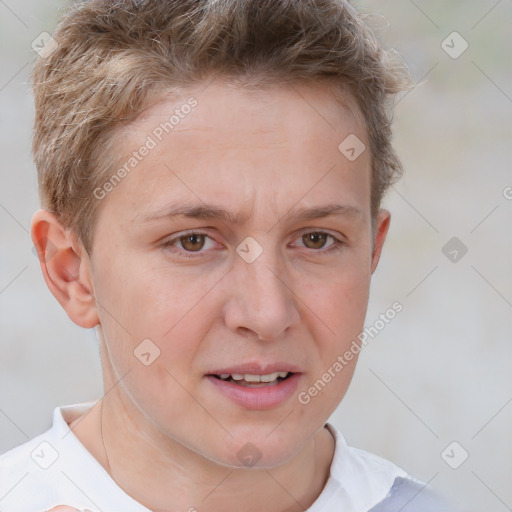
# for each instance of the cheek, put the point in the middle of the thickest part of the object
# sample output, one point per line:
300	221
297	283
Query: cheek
340	298
343	312
138	304
165	325
337	313
153	299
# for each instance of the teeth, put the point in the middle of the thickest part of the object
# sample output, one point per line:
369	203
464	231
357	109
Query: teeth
269	378
254	378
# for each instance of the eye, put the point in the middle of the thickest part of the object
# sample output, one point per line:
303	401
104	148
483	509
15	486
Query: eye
191	242
317	240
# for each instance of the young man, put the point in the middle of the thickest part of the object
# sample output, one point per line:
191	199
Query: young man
211	174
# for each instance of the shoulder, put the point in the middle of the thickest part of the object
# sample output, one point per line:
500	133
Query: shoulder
22	468
54	468
36	474
361	480
410	495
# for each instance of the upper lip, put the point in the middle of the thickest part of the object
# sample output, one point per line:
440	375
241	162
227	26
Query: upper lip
257	369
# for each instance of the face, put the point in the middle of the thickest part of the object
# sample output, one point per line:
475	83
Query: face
240	243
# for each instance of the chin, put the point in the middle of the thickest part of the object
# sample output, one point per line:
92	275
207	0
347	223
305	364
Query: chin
255	451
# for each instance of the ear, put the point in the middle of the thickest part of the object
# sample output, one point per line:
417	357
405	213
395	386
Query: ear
66	268
381	231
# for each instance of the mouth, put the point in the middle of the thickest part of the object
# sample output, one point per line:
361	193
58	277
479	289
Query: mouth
256	386
253	380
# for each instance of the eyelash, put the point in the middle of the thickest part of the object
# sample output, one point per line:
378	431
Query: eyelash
335	246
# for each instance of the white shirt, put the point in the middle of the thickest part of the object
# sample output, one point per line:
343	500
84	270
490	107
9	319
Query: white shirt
54	469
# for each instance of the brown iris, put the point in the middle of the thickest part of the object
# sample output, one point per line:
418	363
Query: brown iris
194	242
315	240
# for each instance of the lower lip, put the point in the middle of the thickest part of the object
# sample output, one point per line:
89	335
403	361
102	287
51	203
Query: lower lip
257	398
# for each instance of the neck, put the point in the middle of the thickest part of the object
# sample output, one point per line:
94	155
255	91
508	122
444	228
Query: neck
179	479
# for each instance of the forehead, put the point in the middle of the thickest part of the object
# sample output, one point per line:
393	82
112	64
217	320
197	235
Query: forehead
224	106
227	142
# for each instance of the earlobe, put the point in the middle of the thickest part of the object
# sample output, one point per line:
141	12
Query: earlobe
381	231
65	267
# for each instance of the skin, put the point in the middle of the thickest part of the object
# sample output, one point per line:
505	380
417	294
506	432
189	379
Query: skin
172	439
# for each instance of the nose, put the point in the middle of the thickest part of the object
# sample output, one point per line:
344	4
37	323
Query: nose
261	302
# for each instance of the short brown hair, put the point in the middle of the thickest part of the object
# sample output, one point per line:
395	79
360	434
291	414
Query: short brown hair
115	56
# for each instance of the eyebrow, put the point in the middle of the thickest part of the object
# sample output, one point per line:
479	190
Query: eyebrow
206	211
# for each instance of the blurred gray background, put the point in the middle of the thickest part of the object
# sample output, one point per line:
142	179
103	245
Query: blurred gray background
440	372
